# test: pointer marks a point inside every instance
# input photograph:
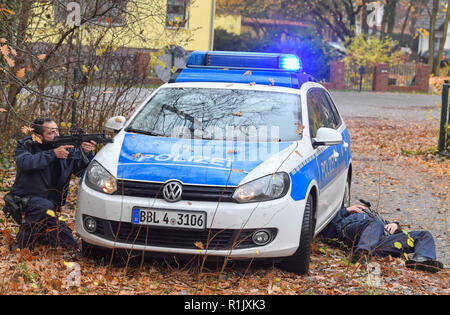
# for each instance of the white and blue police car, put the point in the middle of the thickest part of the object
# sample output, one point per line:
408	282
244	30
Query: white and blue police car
240	155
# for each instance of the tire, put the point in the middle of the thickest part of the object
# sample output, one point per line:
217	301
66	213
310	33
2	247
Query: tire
346	198
299	262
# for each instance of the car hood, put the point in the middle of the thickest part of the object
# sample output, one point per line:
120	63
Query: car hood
193	161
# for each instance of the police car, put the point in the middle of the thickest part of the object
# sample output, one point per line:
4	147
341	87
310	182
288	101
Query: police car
240	155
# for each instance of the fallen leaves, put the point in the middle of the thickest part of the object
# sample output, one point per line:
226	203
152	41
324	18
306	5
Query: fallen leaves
36	138
199	245
20	73
46	271
300	129
4	50
137	155
25	129
7	11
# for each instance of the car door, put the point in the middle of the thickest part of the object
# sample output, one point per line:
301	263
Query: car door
342	128
330	161
343	149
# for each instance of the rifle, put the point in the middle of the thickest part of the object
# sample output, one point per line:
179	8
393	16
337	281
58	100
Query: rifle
374	214
77	137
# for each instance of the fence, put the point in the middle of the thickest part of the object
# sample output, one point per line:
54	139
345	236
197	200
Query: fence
358	78
402	75
444	130
380	77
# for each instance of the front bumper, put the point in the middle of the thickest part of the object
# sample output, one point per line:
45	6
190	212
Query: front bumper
230	226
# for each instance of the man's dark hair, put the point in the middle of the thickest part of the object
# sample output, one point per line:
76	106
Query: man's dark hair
38	123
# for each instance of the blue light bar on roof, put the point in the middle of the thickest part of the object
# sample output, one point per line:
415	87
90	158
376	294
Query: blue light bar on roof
244	60
270	78
290	63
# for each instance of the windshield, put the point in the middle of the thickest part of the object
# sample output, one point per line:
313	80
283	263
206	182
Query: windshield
220	114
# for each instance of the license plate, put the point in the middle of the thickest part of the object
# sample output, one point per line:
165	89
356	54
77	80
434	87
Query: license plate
169	218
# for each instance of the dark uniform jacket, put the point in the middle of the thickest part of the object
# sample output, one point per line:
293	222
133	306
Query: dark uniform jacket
348	226
40	173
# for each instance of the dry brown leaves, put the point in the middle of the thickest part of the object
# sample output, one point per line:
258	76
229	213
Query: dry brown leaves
436	84
45	270
411	144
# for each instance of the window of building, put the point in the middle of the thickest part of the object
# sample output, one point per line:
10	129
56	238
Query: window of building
176	13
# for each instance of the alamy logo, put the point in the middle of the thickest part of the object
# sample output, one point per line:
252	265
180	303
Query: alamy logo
74	14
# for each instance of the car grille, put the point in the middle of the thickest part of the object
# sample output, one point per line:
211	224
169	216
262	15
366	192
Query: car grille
212	239
190	192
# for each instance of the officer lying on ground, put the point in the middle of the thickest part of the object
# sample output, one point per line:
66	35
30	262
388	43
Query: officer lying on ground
41	184
371	237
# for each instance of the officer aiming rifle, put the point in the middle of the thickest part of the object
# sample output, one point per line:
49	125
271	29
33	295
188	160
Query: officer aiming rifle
76	138
45	163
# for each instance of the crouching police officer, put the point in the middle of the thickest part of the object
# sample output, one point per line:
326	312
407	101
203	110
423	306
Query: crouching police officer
369	236
41	185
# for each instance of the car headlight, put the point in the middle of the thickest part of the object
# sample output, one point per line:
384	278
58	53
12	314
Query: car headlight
99	179
269	187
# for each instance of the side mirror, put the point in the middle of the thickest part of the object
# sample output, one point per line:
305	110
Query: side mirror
116	123
326	136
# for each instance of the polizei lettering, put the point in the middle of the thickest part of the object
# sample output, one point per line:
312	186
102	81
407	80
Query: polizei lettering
202	160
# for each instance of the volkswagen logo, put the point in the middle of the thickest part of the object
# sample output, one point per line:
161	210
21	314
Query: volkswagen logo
172	191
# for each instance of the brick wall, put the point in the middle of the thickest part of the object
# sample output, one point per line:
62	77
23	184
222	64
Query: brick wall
380	82
381	78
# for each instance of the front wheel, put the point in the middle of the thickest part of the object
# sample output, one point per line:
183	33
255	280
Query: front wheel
299	262
346	199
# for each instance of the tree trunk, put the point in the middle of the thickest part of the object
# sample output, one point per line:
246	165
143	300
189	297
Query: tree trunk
437	64
405	22
389	15
392	16
432	31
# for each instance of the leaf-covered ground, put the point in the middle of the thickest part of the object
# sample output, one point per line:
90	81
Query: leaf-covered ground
393	167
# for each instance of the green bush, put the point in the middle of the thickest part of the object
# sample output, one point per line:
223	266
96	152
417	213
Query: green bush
367	51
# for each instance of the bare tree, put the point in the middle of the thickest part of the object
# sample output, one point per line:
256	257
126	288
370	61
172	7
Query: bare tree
433	18
437	63
39	53
389	18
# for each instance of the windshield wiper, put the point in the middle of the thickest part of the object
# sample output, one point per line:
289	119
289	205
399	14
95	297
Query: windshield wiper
144	132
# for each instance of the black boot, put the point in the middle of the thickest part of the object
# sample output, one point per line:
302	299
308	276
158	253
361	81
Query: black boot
424	264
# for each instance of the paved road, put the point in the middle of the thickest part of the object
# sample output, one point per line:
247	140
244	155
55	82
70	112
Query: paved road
387	105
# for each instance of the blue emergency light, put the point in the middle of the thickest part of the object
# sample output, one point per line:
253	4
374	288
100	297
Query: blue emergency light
243	67
244	60
290	63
